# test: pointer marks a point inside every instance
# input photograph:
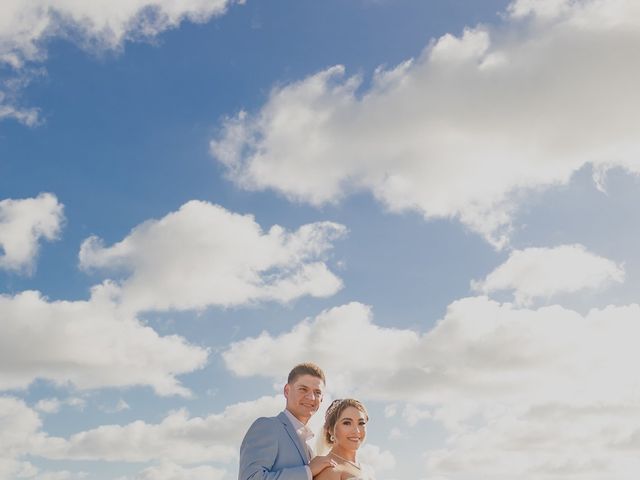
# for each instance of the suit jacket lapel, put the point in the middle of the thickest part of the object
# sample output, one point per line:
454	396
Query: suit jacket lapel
294	436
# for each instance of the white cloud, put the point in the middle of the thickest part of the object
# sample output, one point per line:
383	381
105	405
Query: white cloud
177	439
555	441
60	475
412	414
13	469
527	393
376	459
23	224
19	427
89	344
28	116
544	272
465	129
391	410
172	471
11	86
204	255
345	333
122	405
48	405
53	405
97	25
20	433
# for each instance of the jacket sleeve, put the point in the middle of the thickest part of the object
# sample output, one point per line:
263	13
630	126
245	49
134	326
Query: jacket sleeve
259	451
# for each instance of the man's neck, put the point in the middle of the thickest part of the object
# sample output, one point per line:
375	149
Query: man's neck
304	421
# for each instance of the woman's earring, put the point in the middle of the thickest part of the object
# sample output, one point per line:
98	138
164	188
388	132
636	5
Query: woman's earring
332	438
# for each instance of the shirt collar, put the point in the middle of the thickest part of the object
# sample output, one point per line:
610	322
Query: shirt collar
302	430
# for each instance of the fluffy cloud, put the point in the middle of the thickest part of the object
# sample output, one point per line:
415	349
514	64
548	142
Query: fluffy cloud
412	414
24	26
28	116
172	471
543	272
53	405
60	475
20	425
89	344
98	25
23	224
19	429
465	129
531	393
376	459
178	438
204	255
343	340
554	441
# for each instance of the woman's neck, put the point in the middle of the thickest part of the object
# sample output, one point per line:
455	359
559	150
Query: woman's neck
344	453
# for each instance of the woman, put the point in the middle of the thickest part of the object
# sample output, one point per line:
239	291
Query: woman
344	430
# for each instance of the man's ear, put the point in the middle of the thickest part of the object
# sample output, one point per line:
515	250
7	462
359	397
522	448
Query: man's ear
286	391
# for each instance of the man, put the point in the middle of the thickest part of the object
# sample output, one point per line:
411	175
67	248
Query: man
275	448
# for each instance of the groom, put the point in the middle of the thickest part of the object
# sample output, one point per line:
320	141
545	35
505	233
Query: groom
276	447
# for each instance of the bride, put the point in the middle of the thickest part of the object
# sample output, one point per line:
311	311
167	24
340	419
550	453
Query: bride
344	430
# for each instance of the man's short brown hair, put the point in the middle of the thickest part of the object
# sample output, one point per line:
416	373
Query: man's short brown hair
307	368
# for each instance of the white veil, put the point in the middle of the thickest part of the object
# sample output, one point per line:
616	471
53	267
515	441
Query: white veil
322	447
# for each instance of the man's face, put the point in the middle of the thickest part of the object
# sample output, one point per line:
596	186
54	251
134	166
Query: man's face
304	396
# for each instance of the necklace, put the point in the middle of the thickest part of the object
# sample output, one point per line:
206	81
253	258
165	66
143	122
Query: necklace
346	460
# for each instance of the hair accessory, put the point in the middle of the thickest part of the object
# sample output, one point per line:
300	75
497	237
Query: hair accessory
332	407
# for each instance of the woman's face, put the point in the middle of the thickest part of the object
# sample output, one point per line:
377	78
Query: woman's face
350	429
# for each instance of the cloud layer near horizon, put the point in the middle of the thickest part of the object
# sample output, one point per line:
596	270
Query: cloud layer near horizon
520	387
20	433
463	131
175	446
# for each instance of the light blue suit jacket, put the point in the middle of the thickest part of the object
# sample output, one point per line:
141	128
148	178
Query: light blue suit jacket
272	450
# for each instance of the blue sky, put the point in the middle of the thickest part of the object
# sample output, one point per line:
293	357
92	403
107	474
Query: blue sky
434	200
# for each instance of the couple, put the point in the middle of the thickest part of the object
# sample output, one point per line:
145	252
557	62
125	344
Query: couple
276	448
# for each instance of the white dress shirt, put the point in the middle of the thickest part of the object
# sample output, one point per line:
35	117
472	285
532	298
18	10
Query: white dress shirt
305	434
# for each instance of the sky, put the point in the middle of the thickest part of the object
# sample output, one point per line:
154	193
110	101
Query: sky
436	201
